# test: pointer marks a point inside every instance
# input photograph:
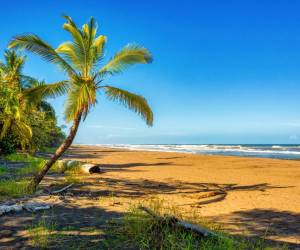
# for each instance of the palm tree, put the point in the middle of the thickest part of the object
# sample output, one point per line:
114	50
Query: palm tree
21	94
81	59
11	108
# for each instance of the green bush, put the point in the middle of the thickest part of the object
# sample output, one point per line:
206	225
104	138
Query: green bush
3	170
34	164
7	145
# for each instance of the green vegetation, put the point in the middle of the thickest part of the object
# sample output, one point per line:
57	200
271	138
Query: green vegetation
15	183
42	233
48	150
80	60
136	230
32	164
145	232
3	170
13	188
46	234
27	121
17	179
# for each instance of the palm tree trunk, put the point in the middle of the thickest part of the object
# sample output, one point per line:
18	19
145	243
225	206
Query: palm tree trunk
58	153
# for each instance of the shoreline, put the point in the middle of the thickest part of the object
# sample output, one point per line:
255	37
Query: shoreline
178	152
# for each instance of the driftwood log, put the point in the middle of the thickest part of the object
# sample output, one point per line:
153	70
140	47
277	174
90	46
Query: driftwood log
203	232
85	168
89	168
29	206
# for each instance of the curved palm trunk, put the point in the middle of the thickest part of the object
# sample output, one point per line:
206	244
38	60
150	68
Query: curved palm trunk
58	153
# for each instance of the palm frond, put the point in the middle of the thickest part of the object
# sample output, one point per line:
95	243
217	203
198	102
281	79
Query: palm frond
97	48
47	108
23	131
14	62
5	127
2	66
36	45
80	44
80	99
132	101
41	90
70	53
129	55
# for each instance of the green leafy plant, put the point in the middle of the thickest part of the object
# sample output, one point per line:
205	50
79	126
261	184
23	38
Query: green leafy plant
27	121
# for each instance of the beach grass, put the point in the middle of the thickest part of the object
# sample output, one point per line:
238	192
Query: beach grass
137	230
32	164
146	232
17	179
42	233
13	188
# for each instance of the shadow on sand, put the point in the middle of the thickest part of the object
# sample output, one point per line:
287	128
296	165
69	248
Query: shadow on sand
76	228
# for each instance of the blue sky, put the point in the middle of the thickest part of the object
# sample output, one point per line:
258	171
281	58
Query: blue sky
223	71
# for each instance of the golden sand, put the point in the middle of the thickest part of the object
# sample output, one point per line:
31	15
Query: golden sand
245	194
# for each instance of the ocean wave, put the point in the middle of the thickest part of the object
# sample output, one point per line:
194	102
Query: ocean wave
209	148
270	151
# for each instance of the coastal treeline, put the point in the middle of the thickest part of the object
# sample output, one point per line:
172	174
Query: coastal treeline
27	121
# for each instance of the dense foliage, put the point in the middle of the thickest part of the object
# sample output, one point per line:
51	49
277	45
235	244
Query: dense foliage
27	121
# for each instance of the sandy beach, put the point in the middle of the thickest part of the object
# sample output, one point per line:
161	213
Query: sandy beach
246	195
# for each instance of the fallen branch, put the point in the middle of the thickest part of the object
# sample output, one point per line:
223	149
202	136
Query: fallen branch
30	206
36	206
182	224
4	209
62	189
211	194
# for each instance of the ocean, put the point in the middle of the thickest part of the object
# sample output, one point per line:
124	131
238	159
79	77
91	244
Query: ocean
276	151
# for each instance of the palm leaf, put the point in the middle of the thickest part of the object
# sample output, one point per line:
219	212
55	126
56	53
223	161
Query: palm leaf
23	131
37	46
68	51
97	49
5	127
27	81
79	44
48	109
80	99
42	90
132	101
129	55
